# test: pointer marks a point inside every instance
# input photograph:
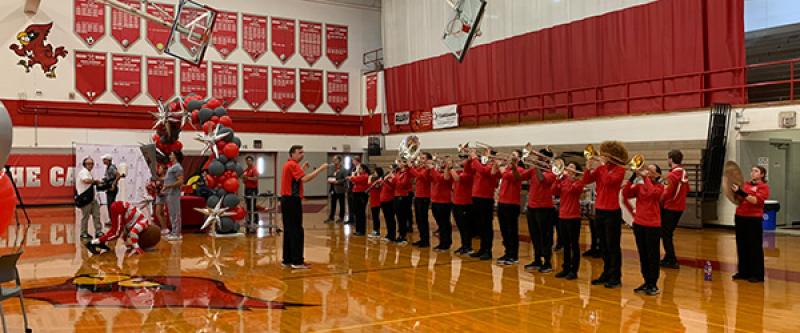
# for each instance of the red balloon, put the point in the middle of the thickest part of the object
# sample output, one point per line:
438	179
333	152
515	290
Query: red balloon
231	185
194	117
208	126
177	146
214	103
8	203
215	119
210	181
221	180
156	138
221	145
231	150
240	213
226	121
173	106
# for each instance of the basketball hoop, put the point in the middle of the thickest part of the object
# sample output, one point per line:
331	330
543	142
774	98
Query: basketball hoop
463	25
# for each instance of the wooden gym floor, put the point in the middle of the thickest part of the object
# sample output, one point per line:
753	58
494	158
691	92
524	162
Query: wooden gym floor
359	285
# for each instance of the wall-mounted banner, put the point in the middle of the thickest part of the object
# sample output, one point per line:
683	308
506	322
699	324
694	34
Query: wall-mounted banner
157	34
225	82
125	26
224	37
445	116
254	80
402	118
90	74
126	76
311	89
310	41
284	85
254	35
160	78
336	43
90	20
283	38
194	79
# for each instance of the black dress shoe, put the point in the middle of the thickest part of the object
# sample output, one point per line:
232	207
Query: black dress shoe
562	274
652	291
740	276
417	243
599	281
423	245
476	254
486	256
588	253
755	279
613	284
641	289
571	276
670	264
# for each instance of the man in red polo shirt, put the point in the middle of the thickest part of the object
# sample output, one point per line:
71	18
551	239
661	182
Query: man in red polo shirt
250	188
674	203
292	179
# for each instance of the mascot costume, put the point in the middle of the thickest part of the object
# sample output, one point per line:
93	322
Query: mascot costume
126	221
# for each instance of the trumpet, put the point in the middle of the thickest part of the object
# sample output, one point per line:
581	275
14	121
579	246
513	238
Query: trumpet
636	163
589	153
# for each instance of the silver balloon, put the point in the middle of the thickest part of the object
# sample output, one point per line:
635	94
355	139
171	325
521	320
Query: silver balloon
5	136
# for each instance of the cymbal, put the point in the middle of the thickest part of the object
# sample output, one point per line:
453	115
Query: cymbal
732	174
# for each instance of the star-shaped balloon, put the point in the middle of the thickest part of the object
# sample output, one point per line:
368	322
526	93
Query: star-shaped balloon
183	113
214	215
164	117
210	140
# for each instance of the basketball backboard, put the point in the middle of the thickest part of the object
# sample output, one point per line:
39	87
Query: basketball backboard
463	25
191	31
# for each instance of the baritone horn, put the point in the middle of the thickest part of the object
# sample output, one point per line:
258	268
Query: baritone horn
409	148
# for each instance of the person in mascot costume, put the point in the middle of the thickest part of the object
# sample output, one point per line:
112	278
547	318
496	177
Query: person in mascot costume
126	221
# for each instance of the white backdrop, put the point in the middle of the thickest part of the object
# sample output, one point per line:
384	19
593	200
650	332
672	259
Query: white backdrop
132	187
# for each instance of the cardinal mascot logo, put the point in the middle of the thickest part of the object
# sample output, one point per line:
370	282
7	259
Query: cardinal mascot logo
33	47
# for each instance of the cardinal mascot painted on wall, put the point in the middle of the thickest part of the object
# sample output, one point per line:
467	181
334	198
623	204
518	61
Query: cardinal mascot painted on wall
35	51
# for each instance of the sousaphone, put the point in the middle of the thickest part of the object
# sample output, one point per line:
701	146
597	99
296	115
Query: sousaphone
731	175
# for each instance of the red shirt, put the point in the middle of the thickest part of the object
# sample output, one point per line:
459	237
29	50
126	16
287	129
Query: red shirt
375	194
609	180
648	202
462	190
360	183
441	187
510	187
291	183
761	191
674	197
540	193
485	182
251	172
402	184
570	193
423	177
387	191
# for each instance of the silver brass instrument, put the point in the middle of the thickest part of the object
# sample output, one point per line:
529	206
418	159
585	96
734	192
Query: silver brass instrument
409	149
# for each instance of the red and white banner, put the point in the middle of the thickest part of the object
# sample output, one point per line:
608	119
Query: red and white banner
160	78
194	79
224	37
225	82
310	41
311	89
157	34
284	87
283	38
90	20
125	27
421	120
338	91
336	43
126	76
44	179
254	35
90	74
254	80
372	92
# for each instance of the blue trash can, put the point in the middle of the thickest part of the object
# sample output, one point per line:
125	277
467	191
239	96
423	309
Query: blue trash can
771	208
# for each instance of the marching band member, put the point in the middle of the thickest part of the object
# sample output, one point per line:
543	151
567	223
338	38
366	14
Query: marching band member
608	176
375	189
441	192
422	199
508	206
569	190
749	232
483	187
540	214
402	201
387	205
647	224
360	181
674	203
462	208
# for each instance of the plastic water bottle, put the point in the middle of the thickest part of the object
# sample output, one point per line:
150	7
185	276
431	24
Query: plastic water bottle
707	271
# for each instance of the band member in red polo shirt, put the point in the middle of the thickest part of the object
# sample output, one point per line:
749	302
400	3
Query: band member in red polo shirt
387	206
375	189
441	192
462	208
569	190
508	206
674	203
749	232
422	198
608	173
292	179
360	181
250	177
402	201
540	214
483	187
647	224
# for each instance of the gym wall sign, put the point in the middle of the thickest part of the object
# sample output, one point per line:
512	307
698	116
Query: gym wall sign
34	50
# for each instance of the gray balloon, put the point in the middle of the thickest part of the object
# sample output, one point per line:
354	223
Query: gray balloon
212	201
220	111
222	158
227	225
5	136
230	201
237	141
221	192
239	170
216	168
231	165
194	105
223	130
204	115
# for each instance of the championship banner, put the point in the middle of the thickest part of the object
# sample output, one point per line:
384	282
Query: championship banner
336	43
194	79
125	27
254	35
90	74
445	116
158	35
90	20
44	179
224	37
402	118
126	76
254	80
160	78
372	93
311	89
284	83
283	38
310	41
338	91
225	82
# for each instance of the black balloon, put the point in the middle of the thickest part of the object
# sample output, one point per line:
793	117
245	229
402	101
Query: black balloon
223	130
220	111
204	115
237	141
231	165
222	158
230	201
227	225
239	170
216	168
212	201
194	105
221	192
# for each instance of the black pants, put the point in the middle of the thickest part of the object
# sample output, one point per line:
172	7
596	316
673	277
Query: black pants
749	248
250	200
376	219
571	228
441	213
337	198
293	237
421	206
484	213
540	227
402	210
463	215
610	227
351	207
647	242
669	220
360	205
594	234
508	216
558	230
388	216
110	198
